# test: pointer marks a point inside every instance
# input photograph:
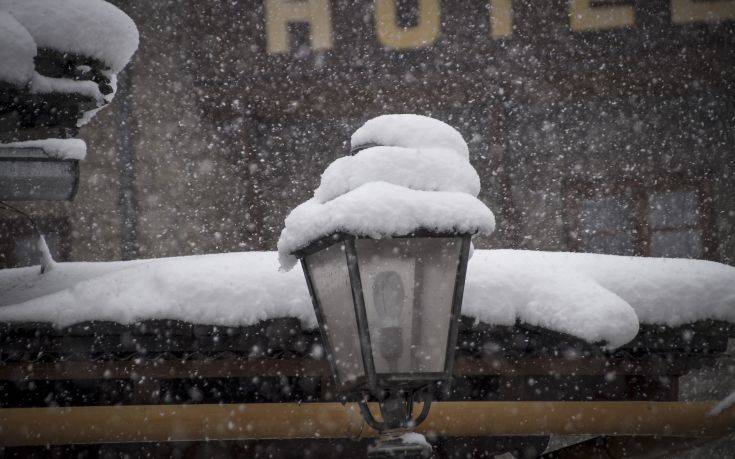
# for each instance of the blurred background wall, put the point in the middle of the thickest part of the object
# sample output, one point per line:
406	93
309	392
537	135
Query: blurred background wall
595	126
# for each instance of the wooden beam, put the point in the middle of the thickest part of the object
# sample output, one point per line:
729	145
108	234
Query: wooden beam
164	369
160	423
237	367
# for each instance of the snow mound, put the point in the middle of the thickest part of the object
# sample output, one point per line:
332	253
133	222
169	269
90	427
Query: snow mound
404	185
17	50
430	169
597	298
505	286
55	148
664	291
91	28
411	131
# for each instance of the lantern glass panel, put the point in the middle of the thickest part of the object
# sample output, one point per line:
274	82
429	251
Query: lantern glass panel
408	287
330	282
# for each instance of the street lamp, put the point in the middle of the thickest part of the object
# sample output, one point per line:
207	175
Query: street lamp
388	313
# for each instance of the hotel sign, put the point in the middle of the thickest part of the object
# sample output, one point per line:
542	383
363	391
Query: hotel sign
583	15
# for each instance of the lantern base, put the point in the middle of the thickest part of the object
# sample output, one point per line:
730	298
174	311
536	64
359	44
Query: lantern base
400	444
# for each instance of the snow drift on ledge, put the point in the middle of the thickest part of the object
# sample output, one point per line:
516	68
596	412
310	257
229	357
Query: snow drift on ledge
55	148
598	298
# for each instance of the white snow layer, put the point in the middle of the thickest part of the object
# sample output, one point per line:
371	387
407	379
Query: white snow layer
409	130
598	298
56	148
41	84
419	179
430	169
17	50
380	209
224	289
91	28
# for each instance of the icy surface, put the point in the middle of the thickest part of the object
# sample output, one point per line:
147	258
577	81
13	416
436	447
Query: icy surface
598	298
408	130
91	28
56	148
378	209
420	179
17	50
429	169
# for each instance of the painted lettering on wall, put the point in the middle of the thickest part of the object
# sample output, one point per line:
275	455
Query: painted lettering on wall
584	15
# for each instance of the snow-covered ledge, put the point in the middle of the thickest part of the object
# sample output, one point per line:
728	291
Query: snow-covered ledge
597	298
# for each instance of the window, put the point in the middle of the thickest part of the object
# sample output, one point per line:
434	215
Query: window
667	219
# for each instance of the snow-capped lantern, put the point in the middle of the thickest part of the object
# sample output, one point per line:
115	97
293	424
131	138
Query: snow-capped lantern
384	245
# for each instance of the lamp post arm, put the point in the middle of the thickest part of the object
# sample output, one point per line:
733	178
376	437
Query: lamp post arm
424	412
367	415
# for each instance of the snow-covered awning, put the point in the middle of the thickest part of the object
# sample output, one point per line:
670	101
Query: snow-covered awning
597	298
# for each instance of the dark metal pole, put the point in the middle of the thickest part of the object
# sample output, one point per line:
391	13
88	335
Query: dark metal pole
126	166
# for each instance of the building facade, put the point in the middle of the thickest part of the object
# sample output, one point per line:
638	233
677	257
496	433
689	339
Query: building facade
595	126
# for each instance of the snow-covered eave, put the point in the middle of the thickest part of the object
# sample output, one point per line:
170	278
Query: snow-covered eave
597	298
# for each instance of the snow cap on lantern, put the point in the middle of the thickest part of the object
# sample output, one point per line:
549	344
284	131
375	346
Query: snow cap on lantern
408	130
413	174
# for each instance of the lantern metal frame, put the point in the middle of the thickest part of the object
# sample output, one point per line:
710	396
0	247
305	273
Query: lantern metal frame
384	385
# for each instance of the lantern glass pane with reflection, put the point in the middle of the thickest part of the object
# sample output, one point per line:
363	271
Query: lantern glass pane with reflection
388	308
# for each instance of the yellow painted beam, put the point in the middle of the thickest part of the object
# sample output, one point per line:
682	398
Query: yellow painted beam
156	423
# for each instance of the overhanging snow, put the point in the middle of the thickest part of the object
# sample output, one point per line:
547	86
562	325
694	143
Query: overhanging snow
598	298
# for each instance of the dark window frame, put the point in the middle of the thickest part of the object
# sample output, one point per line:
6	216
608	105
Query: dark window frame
575	190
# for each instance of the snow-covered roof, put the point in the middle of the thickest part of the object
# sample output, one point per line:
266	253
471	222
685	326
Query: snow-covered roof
418	178
91	28
54	148
17	50
597	298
